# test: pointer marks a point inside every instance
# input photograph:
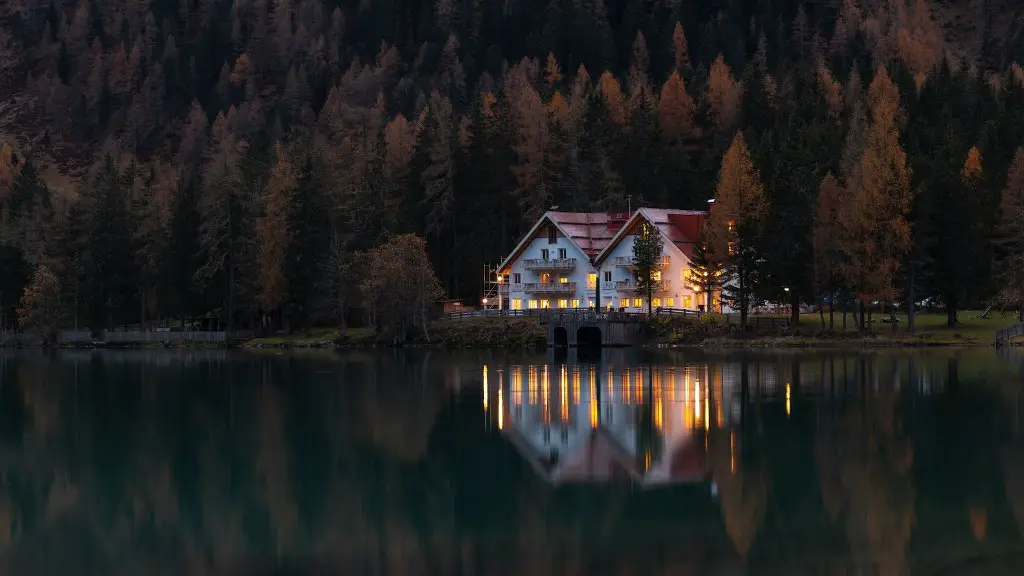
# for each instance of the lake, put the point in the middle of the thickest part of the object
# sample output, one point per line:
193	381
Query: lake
491	463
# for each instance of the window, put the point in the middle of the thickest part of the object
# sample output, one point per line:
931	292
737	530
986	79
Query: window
732	226
545	253
563	303
732	249
656	275
552	234
517	304
517	278
656	302
575	303
687	274
688	302
592	281
608	276
563	280
590	303
623	303
545	304
670	302
609	304
545	278
638	302
561	253
532	305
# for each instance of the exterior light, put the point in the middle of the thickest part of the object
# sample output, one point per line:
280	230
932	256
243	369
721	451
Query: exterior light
484	300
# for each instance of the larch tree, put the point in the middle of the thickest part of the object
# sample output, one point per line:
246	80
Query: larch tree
876	229
533	192
826	234
676	109
724	96
439	176
400	287
1010	234
40	305
273	233
736	222
615	103
648	247
680	49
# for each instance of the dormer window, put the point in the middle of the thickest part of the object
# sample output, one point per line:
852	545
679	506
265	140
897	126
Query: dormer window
561	253
552	234
545	254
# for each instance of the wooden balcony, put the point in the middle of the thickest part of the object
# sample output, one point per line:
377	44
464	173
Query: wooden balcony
550	264
550	287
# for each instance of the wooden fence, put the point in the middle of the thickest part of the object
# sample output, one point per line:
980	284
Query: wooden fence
543	312
1003	335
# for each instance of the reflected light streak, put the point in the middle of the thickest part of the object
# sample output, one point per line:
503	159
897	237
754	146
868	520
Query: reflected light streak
563	399
787	400
485	387
594	408
545	393
517	387
732	452
575	385
501	410
696	401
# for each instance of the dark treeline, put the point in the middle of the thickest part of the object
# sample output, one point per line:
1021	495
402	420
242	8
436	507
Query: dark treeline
235	159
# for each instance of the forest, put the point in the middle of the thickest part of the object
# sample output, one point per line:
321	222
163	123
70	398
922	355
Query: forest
241	159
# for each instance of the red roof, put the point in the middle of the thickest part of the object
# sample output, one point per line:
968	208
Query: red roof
591	231
681	227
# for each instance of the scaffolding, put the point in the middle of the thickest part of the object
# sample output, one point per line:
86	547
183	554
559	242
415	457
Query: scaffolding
492	298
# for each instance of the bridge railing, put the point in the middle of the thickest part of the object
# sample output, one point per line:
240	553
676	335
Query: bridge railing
567	314
1003	335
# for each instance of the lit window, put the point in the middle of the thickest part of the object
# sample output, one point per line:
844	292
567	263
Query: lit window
563	303
656	302
670	302
563	280
532	305
609	304
687	274
590	303
545	304
545	278
638	302
732	226
656	275
575	303
517	304
592	281
732	249
624	303
688	302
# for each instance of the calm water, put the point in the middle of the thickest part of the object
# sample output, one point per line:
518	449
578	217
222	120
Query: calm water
230	463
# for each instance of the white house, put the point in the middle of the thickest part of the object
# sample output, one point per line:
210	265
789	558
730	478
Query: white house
585	260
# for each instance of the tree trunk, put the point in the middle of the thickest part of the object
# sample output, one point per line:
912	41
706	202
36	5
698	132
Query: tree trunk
794	308
231	295
911	306
831	310
892	316
950	310
861	324
821	313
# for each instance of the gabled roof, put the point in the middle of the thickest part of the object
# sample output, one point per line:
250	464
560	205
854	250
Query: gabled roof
590	232
679	228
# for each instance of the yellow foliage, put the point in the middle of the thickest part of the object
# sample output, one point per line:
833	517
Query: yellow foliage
675	107
614	101
972	165
558	109
552	71
723	95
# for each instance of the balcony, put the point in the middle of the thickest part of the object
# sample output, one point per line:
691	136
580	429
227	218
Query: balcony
630	262
550	287
550	264
632	286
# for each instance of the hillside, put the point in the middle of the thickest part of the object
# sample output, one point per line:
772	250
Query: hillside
459	121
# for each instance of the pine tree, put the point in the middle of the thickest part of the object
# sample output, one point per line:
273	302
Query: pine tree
827	230
1010	233
648	247
273	232
705	270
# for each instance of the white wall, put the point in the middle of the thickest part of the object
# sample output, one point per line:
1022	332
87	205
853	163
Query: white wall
678	290
532	251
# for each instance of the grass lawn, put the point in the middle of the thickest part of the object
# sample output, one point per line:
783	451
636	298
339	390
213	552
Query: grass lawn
316	336
929	326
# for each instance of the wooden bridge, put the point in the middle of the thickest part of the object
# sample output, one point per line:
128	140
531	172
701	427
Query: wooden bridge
593	328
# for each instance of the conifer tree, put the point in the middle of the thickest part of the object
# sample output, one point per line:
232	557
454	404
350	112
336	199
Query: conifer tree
648	247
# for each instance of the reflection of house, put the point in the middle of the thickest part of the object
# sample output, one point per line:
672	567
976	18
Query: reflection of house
589	423
585	260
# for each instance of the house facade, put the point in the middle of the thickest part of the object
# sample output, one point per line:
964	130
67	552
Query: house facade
585	260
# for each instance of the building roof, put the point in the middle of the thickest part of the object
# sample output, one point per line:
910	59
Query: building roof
589	231
678	227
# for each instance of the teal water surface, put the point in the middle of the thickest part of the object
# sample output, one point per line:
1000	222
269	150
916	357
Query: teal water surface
219	462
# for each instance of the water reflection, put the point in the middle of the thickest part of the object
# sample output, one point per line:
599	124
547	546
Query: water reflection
220	463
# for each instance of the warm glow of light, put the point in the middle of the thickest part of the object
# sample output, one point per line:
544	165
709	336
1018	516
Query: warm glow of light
575	385
594	408
659	416
707	404
501	410
545	395
732	452
787	400
532	384
611	384
696	401
639	383
626	386
517	386
563	399
485	387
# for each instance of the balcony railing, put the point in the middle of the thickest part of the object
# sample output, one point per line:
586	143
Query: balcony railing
632	286
550	287
630	262
550	264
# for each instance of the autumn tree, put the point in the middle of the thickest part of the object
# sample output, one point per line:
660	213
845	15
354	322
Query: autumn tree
680	49
1010	233
40	305
876	232
736	222
273	233
826	242
705	274
400	287
723	96
648	247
